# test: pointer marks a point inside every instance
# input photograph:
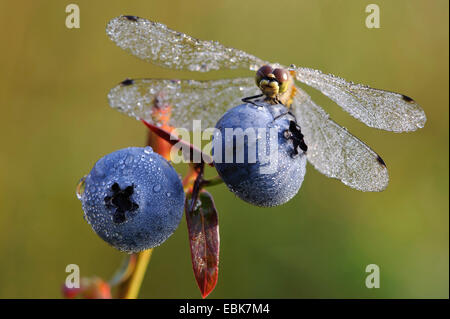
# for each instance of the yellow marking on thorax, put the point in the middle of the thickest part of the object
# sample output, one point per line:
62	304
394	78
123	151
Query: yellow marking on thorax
287	97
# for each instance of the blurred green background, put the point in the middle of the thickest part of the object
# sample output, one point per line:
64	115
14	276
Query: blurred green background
55	123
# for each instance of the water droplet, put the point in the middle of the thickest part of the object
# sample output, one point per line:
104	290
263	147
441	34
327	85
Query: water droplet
168	194
148	150
80	187
157	188
198	204
129	159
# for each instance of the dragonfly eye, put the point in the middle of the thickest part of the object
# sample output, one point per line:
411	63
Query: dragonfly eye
281	75
263	72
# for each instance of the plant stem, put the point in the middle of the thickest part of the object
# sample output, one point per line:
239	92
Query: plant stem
129	289
125	270
189	179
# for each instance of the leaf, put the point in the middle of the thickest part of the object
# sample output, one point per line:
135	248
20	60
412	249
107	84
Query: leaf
203	228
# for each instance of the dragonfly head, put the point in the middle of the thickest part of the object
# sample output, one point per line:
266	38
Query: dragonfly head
272	82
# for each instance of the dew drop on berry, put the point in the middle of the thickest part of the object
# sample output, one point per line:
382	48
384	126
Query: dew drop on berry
129	159
80	187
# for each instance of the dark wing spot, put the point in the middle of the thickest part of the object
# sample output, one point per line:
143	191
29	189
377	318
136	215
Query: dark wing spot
127	82
131	18
380	160
407	99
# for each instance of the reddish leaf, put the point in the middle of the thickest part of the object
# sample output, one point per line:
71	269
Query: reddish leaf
204	240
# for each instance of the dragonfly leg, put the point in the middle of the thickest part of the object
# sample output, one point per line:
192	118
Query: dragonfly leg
250	98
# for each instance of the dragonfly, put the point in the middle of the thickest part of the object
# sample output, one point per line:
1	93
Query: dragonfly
331	149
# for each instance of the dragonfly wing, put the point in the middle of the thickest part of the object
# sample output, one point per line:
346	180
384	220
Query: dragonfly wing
156	43
189	100
336	153
376	108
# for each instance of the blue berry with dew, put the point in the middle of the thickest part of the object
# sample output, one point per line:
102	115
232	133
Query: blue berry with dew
274	158
133	199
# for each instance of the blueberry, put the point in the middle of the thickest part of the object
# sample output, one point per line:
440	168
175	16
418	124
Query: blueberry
133	199
273	176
